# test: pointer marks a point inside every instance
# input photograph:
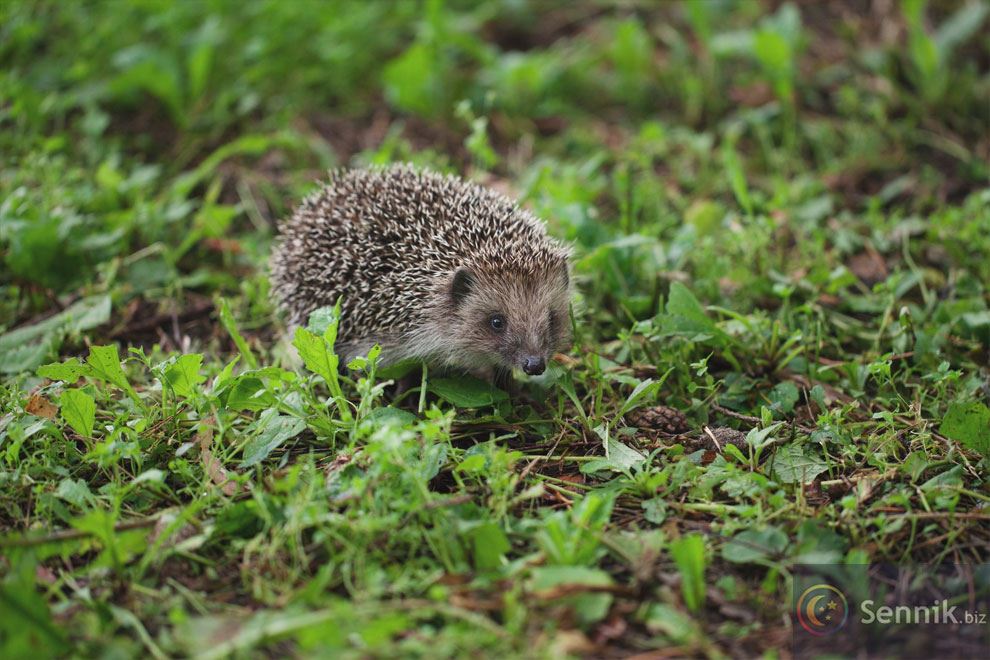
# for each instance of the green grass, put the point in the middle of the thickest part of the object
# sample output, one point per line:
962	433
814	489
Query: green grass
781	221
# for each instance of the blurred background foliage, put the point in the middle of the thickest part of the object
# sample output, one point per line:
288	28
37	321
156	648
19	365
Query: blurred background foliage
132	124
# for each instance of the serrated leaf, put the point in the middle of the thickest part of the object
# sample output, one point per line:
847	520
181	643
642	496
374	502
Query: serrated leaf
79	411
618	456
791	465
276	430
323	321
316	354
69	371
104	363
183	375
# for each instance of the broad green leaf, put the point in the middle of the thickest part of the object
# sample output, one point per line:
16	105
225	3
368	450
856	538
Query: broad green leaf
587	603
83	315
467	392
276	429
248	393
673	622
183	375
387	415
774	53
646	388
69	371
621	456
79	411
473	463
74	491
28	347
655	510
104	363
618	456
490	545
412	80
685	315
17	359
784	396
755	545
26	625
969	425
324	321
689	554
758	438
316	354
550	577
791	465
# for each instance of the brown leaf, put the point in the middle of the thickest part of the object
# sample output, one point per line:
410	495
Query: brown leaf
45	575
869	266
213	467
40	406
612	628
222	245
751	96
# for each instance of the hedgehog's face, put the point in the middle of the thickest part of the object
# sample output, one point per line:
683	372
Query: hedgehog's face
511	320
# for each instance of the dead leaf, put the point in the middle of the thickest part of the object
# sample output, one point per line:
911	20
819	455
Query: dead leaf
213	467
869	266
40	406
45	575
752	96
613	628
571	642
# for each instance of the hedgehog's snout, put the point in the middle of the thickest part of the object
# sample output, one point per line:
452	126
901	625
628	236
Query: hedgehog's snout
534	365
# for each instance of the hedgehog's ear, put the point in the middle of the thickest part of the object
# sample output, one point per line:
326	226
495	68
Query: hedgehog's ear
461	285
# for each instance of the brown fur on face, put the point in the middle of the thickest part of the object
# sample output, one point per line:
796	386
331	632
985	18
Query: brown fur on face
510	319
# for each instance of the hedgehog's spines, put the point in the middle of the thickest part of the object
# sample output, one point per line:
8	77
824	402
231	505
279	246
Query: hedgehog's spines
389	239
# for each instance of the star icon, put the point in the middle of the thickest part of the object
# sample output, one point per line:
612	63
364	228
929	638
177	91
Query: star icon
832	605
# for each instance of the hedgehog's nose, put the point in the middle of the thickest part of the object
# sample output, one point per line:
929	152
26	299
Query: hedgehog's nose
533	365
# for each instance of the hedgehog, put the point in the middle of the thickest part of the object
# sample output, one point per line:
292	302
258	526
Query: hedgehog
430	267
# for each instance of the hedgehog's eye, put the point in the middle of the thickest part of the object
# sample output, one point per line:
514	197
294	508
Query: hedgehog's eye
498	322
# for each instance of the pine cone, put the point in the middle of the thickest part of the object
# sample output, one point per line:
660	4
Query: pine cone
658	418
723	436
